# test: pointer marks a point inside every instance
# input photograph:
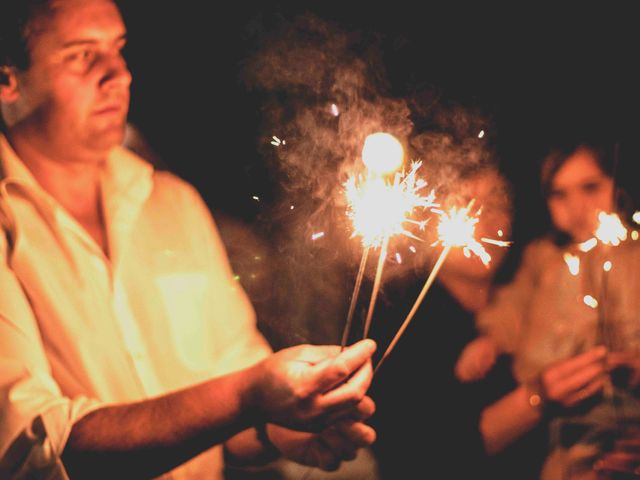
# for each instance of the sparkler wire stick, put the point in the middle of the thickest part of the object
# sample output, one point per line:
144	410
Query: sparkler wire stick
414	309
376	285
603	330
354	298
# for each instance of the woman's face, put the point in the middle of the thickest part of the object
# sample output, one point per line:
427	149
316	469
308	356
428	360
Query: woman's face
579	190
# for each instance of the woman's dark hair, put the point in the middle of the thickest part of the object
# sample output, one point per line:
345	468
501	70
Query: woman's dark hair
559	153
605	155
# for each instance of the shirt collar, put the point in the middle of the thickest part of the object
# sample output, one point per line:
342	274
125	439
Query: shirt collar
126	176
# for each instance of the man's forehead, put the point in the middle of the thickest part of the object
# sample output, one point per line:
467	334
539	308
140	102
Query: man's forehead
79	20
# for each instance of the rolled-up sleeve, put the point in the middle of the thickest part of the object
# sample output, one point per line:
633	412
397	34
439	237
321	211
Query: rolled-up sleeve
35	417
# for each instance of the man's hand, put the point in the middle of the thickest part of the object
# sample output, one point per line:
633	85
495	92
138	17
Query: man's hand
310	387
327	449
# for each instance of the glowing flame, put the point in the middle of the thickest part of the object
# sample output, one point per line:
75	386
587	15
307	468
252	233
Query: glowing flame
636	217
457	229
611	231
316	236
481	134
379	209
573	262
334	110
607	266
634	235
382	153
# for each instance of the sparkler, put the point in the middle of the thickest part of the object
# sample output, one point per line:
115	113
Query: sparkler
610	232
456	229
379	210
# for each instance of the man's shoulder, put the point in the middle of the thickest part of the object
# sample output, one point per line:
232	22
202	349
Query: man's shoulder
162	177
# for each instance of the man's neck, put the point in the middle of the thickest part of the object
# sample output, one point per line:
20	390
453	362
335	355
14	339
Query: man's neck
74	184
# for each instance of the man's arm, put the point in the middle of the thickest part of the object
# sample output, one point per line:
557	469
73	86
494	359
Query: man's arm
303	387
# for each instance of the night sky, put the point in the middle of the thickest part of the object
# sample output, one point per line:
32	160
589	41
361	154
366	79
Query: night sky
535	73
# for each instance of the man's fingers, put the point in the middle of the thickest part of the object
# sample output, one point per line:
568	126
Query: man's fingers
339	444
332	371
351	392
355	413
327	452
358	433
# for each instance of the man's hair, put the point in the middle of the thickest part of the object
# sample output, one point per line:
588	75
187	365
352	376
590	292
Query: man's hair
17	25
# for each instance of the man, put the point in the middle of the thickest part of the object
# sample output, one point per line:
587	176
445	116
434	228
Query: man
127	350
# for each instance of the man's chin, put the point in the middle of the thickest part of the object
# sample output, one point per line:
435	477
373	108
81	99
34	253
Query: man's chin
109	137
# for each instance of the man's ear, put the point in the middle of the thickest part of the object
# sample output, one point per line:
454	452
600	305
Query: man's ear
8	84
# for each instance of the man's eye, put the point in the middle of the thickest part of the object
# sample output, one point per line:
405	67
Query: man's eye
80	58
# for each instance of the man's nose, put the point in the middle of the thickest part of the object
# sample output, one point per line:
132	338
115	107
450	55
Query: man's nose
116	71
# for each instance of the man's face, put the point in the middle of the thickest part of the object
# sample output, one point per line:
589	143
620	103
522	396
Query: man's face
74	97
579	190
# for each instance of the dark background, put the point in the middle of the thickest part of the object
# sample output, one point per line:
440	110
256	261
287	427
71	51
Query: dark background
538	73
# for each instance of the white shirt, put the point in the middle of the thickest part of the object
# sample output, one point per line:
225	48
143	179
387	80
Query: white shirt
79	330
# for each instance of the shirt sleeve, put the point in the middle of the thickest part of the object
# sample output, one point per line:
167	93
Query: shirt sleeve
35	417
244	344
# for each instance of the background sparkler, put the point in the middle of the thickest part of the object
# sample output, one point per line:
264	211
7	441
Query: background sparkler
456	229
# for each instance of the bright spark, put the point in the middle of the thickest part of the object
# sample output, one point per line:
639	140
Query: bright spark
610	231
590	301
457	229
382	153
573	262
276	141
588	244
379	209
